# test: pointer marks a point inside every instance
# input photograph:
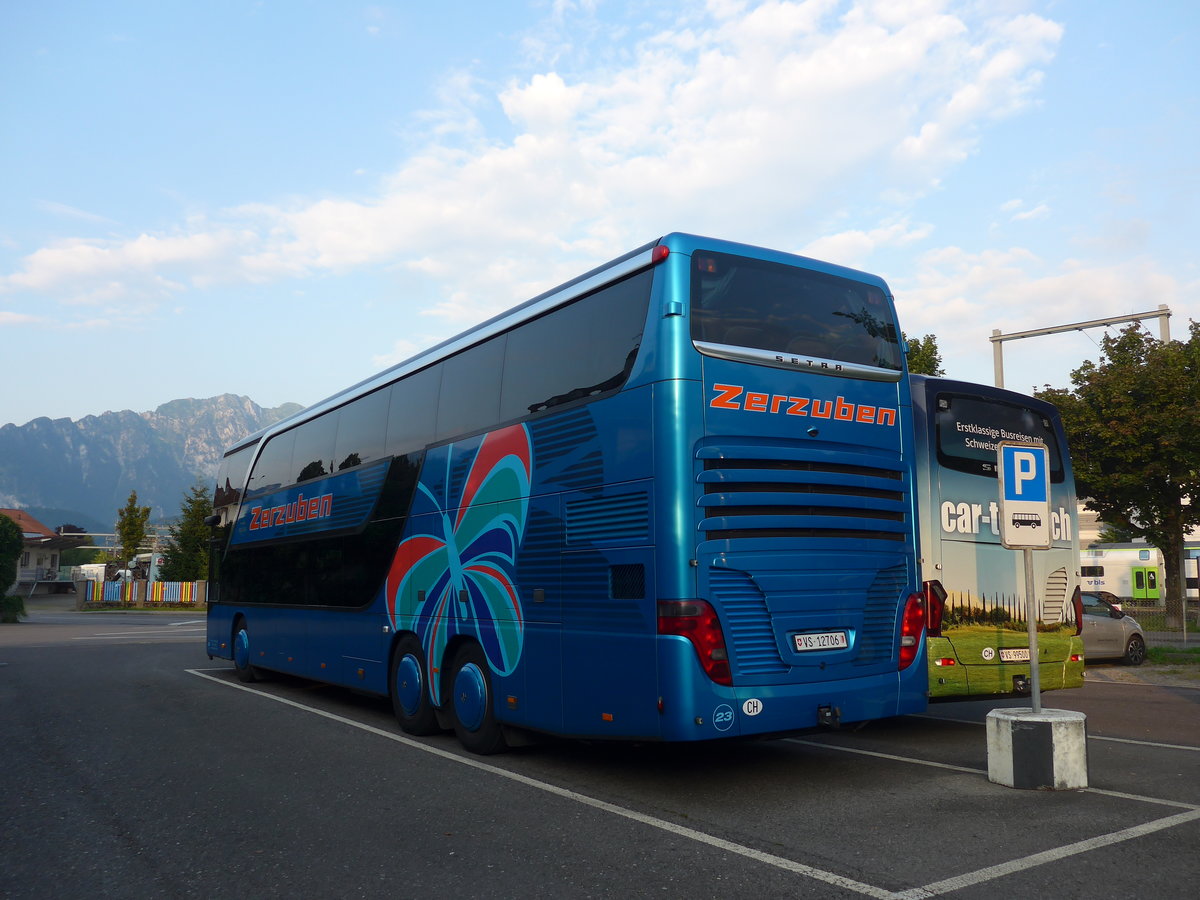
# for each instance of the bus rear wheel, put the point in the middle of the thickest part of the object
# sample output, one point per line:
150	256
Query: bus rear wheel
410	697
472	704
241	653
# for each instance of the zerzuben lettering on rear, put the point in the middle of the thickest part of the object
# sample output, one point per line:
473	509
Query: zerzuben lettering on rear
735	396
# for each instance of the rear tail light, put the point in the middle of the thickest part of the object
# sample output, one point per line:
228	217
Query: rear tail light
1077	602
697	621
912	629
935	603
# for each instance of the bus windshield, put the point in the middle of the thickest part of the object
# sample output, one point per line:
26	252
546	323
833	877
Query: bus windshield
743	302
970	428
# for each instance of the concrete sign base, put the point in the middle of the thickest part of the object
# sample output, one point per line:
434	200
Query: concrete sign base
1046	750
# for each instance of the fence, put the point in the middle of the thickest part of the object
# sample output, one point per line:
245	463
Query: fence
141	594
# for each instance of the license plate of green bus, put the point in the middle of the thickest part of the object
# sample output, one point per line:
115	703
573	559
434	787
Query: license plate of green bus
1014	654
821	640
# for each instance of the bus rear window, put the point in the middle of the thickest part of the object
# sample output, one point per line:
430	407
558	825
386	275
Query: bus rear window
742	302
969	430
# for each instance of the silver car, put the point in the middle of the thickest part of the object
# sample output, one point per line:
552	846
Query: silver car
1109	633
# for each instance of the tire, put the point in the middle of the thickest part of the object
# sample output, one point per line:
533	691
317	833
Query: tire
241	653
1135	651
410	693
472	703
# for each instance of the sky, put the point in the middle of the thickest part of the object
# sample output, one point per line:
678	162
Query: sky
280	198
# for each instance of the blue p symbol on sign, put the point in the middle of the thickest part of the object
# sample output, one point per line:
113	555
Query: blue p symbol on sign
1026	476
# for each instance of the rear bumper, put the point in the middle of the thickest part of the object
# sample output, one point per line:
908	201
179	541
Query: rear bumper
696	708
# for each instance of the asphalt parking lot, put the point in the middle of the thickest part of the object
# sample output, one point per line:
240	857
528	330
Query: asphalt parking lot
138	767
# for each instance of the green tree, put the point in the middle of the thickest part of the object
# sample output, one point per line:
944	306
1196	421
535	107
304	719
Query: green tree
1132	422
131	528
81	556
72	554
1111	534
924	358
11	543
186	555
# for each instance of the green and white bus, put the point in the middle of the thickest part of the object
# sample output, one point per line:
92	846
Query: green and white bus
977	639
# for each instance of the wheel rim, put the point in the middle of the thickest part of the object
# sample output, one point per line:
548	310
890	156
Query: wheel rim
408	684
1137	650
470	696
241	649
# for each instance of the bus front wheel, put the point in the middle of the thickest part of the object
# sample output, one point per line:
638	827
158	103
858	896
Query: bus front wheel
410	698
472	704
241	653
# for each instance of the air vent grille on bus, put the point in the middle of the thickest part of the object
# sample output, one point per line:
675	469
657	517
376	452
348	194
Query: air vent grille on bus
622	518
879	617
1055	593
751	634
752	492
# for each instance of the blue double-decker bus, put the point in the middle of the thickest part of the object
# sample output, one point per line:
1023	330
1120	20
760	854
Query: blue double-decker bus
671	499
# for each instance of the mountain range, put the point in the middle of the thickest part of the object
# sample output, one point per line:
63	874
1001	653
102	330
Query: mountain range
80	472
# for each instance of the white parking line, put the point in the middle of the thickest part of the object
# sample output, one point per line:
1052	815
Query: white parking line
958	882
934	889
904	759
144	632
1090	737
778	862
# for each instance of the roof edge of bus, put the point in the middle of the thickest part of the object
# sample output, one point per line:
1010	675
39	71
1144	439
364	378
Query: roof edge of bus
942	383
678	240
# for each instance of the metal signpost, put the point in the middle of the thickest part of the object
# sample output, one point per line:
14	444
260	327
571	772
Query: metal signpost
1025	525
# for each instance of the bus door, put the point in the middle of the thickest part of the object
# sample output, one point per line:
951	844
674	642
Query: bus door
1145	584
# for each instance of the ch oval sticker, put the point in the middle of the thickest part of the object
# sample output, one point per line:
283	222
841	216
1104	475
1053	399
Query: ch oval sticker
988	654
752	707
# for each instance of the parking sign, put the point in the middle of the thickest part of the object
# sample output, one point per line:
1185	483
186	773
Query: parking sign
1024	496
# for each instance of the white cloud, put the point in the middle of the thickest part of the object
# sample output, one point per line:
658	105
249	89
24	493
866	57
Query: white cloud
91	271
961	297
71	212
747	120
854	248
1038	212
13	318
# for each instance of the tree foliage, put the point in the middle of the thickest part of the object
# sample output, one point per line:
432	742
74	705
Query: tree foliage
186	555
924	358
1133	422
131	527
11	543
1113	534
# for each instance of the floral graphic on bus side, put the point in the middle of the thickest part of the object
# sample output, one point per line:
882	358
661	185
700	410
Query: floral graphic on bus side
455	575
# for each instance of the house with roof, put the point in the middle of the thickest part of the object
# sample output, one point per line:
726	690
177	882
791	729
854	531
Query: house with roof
37	567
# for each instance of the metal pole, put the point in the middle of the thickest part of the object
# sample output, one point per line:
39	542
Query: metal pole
998	357
1035	679
1163	314
1183	589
